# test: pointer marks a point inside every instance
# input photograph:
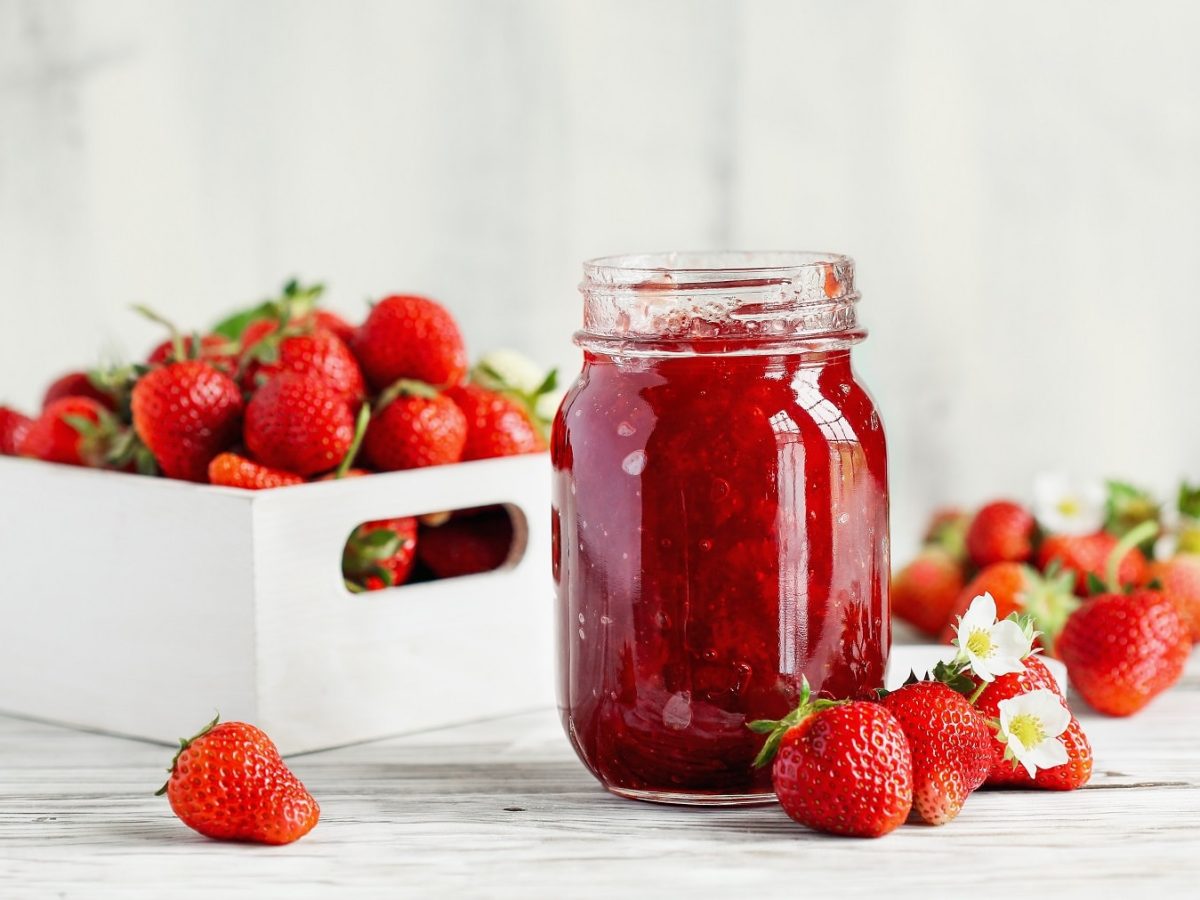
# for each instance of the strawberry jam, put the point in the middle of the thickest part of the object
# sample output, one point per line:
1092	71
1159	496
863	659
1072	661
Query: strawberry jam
720	516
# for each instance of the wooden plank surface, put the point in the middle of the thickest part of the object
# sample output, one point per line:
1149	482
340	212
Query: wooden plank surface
501	808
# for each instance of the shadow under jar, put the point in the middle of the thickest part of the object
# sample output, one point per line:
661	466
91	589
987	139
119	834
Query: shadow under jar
720	516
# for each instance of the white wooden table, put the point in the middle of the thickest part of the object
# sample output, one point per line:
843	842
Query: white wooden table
501	808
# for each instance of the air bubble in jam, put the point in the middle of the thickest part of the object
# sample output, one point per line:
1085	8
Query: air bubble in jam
626	430
634	463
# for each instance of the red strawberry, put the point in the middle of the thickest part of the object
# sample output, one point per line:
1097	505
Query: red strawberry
496	425
74	431
186	413
947	530
229	783
380	554
1017	588
843	768
467	544
77	384
1008	773
331	321
1123	650
951	747
13	428
232	470
299	348
300	424
414	426
410	337
1001	532
1180	580
925	591
1087	554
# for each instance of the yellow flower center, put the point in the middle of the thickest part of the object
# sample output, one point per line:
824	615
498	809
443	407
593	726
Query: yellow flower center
1027	729
1068	506
979	642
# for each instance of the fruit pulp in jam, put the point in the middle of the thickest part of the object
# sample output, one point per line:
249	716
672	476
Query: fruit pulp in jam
720	532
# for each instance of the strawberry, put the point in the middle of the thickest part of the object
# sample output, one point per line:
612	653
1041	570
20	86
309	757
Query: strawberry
232	470
186	413
947	530
229	783
410	337
380	554
844	768
496	424
77	384
1018	588
300	424
1001	532
74	431
217	351
1123	650
414	426
1008	773
1086	554
951	747
467	544
330	321
924	592
1179	578
13	428
300	347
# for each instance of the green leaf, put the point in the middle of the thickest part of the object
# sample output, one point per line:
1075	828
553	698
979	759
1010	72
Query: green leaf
235	323
379	538
548	384
1095	584
1188	501
763	726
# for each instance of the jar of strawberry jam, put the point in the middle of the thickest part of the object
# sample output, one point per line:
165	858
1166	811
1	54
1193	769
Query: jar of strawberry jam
720	516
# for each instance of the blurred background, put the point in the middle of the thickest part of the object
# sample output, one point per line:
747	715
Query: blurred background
1019	183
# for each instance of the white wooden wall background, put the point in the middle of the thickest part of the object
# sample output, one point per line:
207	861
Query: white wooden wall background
1020	185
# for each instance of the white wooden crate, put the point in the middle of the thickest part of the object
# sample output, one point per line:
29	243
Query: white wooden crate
141	605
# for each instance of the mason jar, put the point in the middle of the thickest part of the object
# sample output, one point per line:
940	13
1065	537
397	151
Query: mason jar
720	516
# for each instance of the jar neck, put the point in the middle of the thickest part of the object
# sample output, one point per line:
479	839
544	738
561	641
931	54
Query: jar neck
719	303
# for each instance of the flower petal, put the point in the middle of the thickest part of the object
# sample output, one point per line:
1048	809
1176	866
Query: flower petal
1046	755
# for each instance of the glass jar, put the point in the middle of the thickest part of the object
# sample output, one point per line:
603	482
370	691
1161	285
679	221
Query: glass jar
720	516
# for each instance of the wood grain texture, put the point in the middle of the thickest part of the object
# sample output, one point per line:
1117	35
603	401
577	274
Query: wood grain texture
501	808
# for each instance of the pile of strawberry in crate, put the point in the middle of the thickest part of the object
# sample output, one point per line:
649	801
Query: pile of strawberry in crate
286	392
1107	574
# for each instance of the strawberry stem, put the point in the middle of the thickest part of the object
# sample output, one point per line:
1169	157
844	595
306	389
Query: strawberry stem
1132	538
360	431
178	348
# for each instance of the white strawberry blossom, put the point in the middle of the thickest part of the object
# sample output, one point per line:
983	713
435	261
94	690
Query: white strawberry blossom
1030	727
991	648
1066	506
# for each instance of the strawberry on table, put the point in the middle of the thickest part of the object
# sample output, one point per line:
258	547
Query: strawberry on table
300	424
233	470
947	530
13	428
411	337
1002	531
74	431
925	591
414	425
497	425
1086	555
840	767
1179	578
380	554
229	783
467	544
951	747
186	413
1017	588
1123	650
217	351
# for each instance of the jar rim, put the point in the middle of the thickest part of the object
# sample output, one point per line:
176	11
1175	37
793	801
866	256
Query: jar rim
711	267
